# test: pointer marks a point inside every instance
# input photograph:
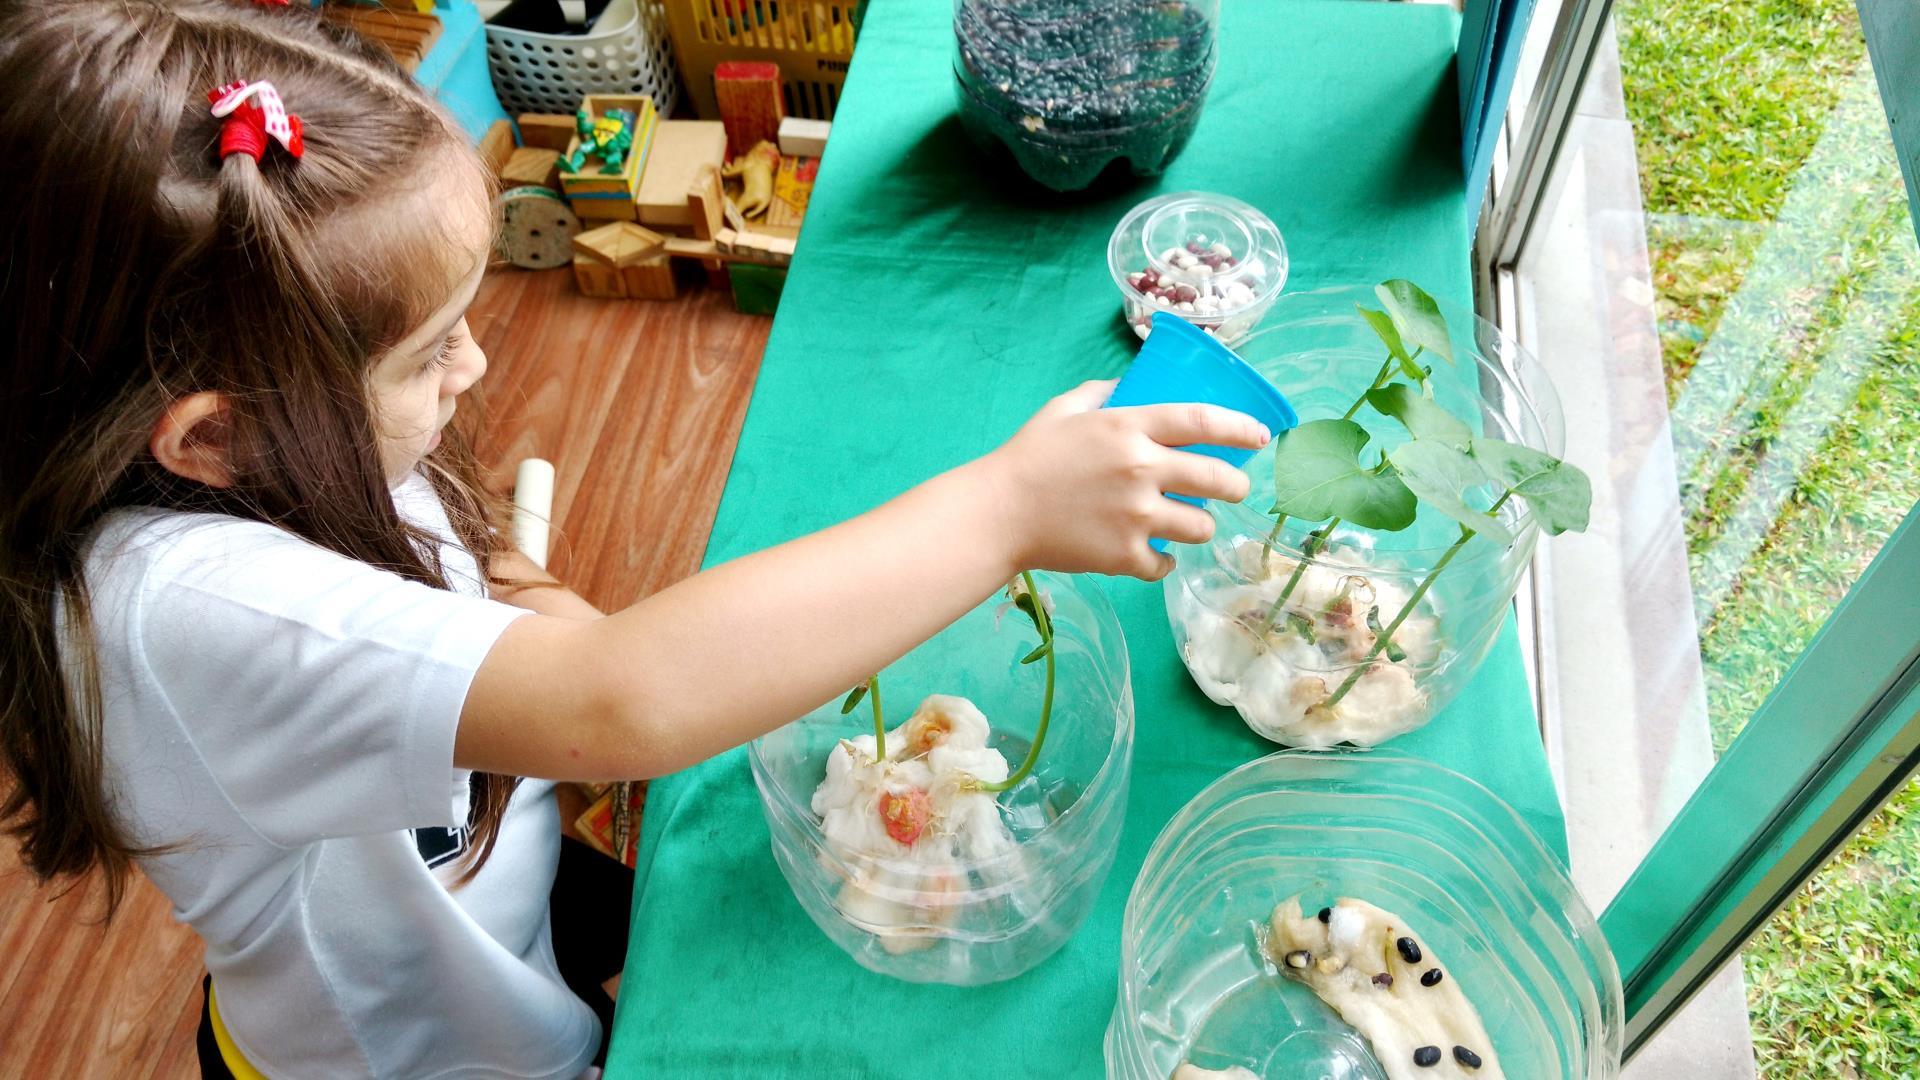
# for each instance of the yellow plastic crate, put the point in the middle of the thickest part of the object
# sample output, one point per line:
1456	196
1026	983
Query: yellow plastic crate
811	40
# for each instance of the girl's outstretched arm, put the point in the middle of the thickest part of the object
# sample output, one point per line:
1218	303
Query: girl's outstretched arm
731	653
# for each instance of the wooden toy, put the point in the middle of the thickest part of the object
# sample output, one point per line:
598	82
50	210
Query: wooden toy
532	165
707	202
552	131
711	252
755	170
596	193
611	825
407	35
607	139
496	146
792	188
536	229
623	261
748	93
801	137
651	279
774	250
681	150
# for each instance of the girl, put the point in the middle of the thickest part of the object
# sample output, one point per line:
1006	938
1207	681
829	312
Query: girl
257	634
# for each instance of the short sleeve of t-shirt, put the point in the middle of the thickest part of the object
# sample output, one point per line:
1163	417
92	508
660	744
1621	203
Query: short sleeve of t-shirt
322	694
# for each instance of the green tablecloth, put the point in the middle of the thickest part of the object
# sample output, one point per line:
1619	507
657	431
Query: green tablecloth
933	305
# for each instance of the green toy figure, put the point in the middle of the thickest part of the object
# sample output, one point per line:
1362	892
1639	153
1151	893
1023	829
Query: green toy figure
609	139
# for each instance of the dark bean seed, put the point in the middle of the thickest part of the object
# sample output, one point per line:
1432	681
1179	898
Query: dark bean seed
1326	914
1383	980
1299	958
1431	977
1409	950
1466	1057
1427	1056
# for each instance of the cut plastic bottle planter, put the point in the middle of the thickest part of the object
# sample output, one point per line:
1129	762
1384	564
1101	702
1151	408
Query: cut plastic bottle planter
1279	665
972	911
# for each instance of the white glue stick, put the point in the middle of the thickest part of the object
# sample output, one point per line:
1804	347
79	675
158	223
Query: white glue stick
533	508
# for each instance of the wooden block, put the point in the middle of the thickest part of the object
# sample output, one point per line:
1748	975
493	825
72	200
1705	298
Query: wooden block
598	280
682	247
748	93
532	165
620	244
726	239
707	201
681	149
801	137
408	35
712	256
496	146
536	228
651	279
792	190
551	131
759	241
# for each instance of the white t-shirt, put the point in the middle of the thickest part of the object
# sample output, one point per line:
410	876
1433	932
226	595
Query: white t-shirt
287	716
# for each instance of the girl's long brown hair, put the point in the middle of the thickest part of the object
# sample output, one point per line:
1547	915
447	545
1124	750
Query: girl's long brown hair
139	266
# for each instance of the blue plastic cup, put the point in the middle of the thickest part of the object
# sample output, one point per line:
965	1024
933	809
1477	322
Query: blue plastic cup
1179	362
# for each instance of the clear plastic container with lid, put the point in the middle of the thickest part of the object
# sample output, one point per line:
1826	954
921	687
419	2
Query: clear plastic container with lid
1210	259
1071	86
1495	907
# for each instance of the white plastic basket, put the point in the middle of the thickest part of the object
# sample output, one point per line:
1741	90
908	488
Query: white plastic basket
627	52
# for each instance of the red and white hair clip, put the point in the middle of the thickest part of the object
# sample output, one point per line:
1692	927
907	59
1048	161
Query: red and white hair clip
254	113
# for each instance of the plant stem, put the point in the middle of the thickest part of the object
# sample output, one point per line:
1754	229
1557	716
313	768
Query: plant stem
1379	378
1273	538
879	722
1385	636
1042	622
1316	543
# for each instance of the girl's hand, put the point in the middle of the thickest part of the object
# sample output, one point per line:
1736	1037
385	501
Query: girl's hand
1080	487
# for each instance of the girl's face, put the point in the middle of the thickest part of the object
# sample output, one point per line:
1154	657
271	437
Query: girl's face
415	386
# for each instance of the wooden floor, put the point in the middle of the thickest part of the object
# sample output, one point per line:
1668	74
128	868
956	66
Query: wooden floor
638	405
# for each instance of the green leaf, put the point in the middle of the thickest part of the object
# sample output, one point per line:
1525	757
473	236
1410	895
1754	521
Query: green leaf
1382	324
853	699
1559	494
1416	316
1038	652
1301	625
1421	417
1394	652
1317	475
1441	475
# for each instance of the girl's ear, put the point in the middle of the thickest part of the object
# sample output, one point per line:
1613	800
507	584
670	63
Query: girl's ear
190	439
